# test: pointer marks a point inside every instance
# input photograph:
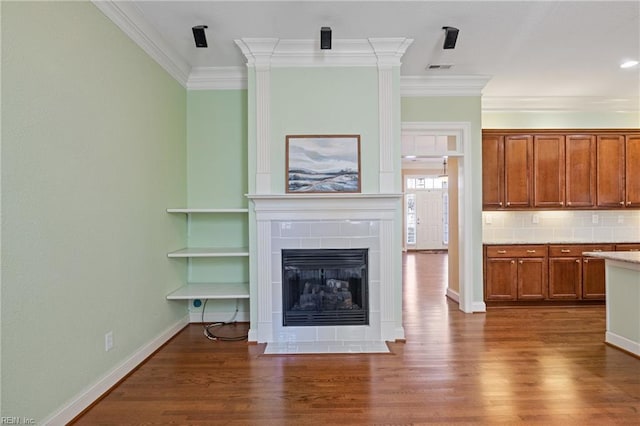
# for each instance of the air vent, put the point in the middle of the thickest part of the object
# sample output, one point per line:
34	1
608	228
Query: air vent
439	66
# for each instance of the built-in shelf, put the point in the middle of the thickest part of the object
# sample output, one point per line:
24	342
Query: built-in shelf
210	252
189	210
193	291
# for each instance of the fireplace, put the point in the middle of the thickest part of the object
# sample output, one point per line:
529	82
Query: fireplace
325	287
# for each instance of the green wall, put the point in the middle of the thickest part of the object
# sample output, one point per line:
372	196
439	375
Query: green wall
93	152
217	176
317	101
560	119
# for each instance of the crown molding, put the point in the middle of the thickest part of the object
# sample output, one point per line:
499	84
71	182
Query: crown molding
630	104
441	85
273	52
132	22
217	78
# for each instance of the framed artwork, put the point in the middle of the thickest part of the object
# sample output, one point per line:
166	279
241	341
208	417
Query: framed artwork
323	163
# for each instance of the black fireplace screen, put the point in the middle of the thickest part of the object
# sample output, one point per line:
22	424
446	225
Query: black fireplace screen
324	287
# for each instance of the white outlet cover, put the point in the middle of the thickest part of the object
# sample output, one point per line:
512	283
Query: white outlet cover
595	219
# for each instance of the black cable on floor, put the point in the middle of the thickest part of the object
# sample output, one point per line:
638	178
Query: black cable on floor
209	334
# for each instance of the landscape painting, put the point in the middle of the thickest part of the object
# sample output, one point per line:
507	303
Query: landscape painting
324	163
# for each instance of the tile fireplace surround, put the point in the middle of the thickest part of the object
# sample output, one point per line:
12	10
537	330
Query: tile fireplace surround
326	221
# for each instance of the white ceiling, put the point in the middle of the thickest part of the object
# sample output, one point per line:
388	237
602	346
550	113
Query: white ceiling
544	55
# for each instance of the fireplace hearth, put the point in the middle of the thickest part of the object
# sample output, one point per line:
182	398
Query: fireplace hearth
325	287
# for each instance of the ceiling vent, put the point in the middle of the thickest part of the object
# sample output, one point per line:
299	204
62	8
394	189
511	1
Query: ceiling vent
439	66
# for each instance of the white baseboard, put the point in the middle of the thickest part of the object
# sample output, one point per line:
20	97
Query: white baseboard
453	295
84	399
478	307
622	343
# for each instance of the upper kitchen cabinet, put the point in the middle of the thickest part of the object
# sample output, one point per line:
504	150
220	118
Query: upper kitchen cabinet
632	168
518	161
580	171
610	171
559	169
493	171
548	171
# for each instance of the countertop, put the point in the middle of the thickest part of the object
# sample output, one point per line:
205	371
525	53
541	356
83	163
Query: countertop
620	256
529	241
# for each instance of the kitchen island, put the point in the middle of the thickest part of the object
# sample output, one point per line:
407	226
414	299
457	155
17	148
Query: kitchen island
622	280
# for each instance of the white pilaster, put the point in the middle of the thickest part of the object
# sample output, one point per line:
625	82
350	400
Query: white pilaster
388	52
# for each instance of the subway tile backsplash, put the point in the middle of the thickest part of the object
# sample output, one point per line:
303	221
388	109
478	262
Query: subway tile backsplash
561	226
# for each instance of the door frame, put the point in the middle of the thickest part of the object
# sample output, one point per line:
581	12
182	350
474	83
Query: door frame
462	132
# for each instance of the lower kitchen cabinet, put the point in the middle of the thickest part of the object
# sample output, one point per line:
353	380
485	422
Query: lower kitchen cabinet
573	276
515	273
546	273
593	279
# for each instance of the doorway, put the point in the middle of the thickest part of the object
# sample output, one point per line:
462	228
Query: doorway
424	140
426	212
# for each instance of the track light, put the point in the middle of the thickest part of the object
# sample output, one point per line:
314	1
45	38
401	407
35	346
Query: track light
199	36
450	37
325	38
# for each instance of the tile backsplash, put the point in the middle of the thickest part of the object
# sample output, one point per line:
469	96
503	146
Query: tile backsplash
561	226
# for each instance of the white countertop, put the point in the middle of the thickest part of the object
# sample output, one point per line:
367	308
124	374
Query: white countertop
620	256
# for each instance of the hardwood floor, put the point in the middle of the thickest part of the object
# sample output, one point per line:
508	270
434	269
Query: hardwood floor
511	365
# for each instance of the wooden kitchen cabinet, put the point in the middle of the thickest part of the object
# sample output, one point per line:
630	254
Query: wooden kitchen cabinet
574	276
610	170
593	278
627	247
518	164
515	273
632	171
560	168
493	171
580	171
548	171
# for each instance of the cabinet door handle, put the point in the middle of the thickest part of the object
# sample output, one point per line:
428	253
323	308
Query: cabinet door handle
500	203
586	261
531	251
502	251
568	203
513	261
562	203
565	251
597	249
508	203
577	260
521	262
621	203
628	203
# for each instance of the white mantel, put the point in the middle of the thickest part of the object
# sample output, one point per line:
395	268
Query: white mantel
327	221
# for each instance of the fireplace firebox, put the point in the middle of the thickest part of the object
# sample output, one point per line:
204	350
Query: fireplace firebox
325	287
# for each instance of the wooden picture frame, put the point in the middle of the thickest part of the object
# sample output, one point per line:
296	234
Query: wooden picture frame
323	164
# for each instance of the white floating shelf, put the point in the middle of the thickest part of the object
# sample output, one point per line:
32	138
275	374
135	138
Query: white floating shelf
211	291
188	211
210	252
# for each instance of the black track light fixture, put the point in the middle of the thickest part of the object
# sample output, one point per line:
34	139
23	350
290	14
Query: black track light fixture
450	37
325	38
199	35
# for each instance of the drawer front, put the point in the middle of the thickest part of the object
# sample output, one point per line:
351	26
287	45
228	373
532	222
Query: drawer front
627	247
576	250
517	251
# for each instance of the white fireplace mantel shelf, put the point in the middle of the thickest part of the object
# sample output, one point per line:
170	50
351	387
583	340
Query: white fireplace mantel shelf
326	206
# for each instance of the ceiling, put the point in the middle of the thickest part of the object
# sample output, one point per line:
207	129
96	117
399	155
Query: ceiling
540	55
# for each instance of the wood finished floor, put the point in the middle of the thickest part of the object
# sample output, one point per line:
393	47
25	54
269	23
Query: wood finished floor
509	366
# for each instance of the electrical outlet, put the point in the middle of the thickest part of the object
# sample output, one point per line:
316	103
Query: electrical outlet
535	218
488	219
620	219
594	219
108	341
